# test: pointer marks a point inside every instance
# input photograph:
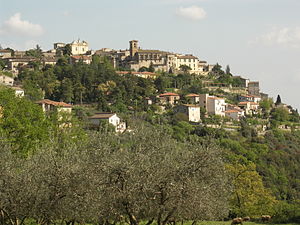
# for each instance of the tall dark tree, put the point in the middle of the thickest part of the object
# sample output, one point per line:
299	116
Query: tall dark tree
278	100
227	70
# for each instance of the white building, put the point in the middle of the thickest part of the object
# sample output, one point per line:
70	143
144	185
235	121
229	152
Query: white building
249	107
79	48
216	106
111	118
212	104
235	114
19	92
192	112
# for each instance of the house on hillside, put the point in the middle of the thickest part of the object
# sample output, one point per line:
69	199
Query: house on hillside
169	98
216	106
53	106
213	105
6	80
111	118
5	53
191	111
193	98
253	88
235	114
250	108
19	92
249	98
81	58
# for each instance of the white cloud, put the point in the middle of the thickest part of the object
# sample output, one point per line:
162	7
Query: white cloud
16	26
192	12
285	36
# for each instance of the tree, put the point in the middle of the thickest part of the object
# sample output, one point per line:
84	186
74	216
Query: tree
250	197
227	70
189	183
66	90
67	50
23	124
37	52
151	68
278	100
185	68
280	114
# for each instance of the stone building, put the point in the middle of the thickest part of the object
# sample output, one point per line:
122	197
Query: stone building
136	58
253	88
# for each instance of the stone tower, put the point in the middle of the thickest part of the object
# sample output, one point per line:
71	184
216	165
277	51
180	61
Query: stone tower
134	46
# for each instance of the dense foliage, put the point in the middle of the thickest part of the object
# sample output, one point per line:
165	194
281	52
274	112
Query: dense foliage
115	179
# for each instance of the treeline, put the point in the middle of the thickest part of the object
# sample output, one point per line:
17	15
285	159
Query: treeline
100	84
136	177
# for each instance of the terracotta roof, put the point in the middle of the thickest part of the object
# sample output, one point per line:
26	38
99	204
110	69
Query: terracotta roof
168	94
54	103
187	57
192	95
251	103
232	111
102	116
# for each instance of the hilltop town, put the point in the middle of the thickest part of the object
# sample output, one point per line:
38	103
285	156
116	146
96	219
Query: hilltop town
141	136
181	85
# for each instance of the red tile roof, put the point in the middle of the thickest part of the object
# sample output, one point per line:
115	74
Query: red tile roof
168	94
192	95
54	103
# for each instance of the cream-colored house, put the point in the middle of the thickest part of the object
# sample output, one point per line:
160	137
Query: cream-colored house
79	48
169	98
4	53
84	58
52	106
249	107
193	98
14	64
192	112
111	118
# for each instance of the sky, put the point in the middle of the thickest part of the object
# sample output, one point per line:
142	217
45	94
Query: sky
258	39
